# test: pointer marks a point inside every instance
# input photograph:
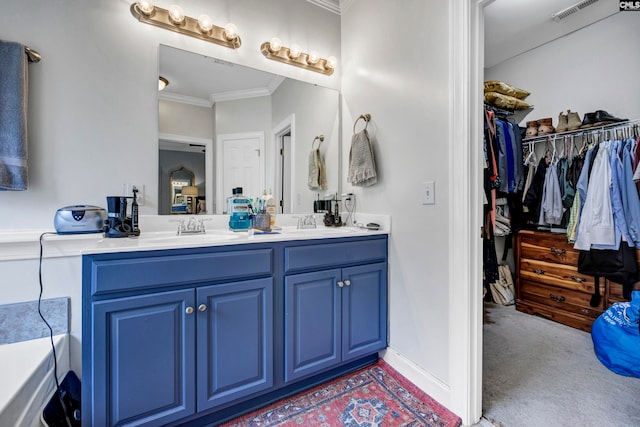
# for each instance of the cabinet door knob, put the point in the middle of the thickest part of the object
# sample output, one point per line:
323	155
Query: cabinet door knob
347	282
202	307
189	310
340	283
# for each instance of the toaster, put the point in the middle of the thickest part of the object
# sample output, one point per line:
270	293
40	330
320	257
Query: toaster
78	219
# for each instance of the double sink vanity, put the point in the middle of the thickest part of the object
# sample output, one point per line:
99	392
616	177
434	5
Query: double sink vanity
196	329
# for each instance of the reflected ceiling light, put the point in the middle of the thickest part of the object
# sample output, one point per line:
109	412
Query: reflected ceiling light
162	83
274	50
174	19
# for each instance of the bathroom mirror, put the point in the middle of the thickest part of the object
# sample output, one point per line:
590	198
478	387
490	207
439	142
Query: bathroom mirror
182	191
243	127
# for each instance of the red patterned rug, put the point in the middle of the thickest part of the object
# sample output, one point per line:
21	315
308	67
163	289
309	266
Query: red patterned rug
373	396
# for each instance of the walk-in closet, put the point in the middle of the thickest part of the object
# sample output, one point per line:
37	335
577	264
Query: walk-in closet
561	150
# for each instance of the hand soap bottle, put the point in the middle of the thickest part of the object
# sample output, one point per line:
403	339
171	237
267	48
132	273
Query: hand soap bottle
270	206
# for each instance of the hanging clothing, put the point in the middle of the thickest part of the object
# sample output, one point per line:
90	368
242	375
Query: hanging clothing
596	219
551	208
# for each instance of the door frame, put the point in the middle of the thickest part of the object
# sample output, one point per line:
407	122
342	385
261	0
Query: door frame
208	163
466	62
287	125
220	140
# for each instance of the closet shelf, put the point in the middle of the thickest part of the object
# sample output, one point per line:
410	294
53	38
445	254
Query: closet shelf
584	132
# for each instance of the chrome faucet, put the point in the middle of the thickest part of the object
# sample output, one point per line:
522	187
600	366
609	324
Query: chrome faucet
193	226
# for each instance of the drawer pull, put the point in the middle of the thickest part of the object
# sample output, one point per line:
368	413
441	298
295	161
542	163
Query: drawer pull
578	279
558	252
202	307
189	310
538	271
556	298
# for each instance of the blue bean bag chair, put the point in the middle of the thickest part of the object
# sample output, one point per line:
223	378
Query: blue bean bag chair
616	337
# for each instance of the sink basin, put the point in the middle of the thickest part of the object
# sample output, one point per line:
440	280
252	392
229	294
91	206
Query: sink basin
165	237
320	231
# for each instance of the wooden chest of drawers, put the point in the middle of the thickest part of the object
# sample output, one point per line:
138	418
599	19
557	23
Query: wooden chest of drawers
548	283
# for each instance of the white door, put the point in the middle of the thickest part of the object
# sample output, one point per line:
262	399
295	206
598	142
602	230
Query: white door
240	163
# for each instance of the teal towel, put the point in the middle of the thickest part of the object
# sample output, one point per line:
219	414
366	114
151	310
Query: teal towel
13	116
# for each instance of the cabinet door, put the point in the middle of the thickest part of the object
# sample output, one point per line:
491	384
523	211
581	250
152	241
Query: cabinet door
312	323
235	341
143	359
364	310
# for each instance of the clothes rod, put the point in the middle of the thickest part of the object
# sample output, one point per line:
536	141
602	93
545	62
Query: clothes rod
582	132
32	55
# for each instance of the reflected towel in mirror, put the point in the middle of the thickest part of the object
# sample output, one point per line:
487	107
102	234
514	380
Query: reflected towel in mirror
317	171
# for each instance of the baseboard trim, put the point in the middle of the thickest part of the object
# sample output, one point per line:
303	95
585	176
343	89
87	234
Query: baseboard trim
426	382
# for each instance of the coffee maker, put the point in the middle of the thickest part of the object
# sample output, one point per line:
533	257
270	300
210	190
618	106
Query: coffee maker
118	223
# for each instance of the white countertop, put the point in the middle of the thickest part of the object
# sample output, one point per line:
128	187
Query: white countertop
159	232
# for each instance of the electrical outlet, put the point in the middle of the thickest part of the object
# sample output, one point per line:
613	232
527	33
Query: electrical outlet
428	193
128	191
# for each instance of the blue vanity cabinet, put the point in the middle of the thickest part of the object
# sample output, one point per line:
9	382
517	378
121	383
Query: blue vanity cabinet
143	360
159	348
234	341
334	315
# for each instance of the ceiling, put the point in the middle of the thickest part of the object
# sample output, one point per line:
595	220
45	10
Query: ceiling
513	27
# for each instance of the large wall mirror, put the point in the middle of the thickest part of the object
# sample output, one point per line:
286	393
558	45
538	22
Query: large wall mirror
235	126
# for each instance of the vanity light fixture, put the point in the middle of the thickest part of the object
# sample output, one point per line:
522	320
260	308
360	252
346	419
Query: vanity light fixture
162	83
174	19
273	49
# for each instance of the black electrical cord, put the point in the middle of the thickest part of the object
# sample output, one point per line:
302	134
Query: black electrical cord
53	347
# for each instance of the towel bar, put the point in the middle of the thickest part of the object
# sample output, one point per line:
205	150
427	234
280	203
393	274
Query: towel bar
32	55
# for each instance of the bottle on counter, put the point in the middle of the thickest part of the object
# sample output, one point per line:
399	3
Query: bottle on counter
270	206
239	210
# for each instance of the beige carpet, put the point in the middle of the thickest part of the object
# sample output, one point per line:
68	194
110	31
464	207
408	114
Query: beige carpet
541	373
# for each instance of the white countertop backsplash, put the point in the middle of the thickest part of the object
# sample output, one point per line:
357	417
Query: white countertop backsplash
159	232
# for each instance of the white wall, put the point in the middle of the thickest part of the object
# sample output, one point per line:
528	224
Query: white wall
93	112
178	118
595	68
316	113
395	66
93	109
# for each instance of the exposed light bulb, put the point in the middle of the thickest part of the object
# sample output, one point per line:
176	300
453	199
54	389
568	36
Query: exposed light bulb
294	51
230	31
162	83
275	44
205	23
313	57
146	7
331	63
176	14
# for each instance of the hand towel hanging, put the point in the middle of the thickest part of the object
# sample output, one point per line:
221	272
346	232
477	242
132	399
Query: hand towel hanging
13	116
317	179
362	165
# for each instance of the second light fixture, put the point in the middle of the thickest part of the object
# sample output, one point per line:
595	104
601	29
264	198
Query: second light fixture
293	55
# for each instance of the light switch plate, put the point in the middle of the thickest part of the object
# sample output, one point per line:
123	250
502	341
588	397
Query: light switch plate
428	193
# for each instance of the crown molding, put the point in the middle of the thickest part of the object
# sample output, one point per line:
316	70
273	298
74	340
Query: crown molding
330	5
191	100
345	5
248	93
